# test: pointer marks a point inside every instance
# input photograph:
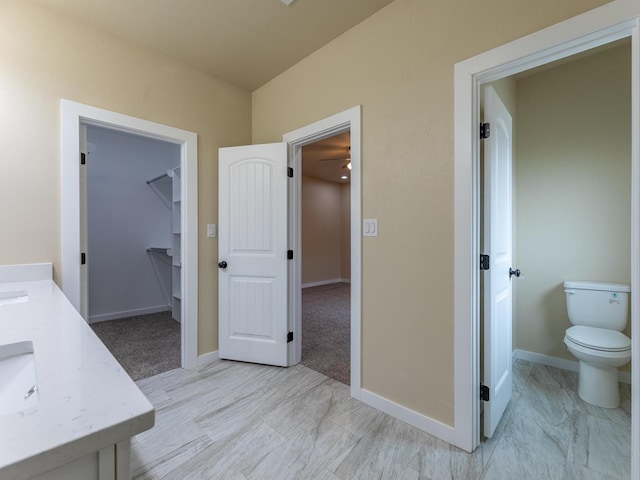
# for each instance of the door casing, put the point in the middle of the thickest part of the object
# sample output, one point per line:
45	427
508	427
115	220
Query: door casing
603	25
348	120
72	116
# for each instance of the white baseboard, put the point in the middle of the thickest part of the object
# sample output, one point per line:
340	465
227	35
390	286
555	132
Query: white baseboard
411	417
326	282
128	313
562	363
207	358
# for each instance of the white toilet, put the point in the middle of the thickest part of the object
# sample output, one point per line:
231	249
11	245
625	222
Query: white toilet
599	312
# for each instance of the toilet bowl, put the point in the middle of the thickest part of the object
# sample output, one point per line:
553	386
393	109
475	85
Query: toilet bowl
599	313
600	353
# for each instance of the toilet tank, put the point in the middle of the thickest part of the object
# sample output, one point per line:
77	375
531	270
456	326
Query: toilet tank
598	304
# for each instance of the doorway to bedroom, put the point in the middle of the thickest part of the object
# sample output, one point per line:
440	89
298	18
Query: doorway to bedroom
326	256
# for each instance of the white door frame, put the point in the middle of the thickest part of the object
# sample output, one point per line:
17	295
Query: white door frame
72	115
349	120
611	22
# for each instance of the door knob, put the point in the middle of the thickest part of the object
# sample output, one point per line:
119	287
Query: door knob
515	272
222	264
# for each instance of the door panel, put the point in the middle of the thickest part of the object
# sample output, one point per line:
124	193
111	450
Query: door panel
498	244
84	230
253	243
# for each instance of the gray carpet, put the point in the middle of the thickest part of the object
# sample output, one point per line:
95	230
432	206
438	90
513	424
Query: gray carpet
326	330
144	345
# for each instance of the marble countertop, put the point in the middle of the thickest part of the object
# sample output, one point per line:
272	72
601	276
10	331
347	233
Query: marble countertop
86	400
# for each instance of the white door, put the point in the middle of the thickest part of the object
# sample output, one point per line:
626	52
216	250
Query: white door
252	254
84	237
497	244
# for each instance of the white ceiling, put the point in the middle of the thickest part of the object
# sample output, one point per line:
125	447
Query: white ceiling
245	42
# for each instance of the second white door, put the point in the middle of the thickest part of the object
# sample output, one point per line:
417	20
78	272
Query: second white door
498	244
252	254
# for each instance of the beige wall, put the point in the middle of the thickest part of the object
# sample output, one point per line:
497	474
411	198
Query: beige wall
573	170
321	230
45	57
398	65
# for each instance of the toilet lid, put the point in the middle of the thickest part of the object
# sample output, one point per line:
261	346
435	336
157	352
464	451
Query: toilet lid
599	338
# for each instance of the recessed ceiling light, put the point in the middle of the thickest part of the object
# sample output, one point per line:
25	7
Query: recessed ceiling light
287	2
344	177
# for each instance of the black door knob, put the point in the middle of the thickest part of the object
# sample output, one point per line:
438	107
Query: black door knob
515	272
222	264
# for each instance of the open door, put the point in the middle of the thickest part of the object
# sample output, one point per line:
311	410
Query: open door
84	229
252	254
497	243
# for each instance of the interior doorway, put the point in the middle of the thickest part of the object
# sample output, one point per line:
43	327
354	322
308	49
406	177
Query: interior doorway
346	121
133	248
260	210
326	256
587	31
587	177
73	116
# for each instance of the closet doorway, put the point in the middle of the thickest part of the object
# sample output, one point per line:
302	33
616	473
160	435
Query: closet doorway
75	117
326	256
133	254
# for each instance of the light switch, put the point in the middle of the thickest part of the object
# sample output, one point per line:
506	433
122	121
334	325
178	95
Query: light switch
370	227
211	230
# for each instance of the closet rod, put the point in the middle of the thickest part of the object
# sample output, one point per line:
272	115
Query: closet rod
168	173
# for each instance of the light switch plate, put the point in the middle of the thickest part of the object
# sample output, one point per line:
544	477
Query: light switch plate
211	230
370	227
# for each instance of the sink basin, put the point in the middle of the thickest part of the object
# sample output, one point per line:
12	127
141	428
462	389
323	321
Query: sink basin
18	296
18	387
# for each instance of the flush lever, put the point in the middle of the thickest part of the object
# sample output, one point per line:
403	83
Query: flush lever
31	391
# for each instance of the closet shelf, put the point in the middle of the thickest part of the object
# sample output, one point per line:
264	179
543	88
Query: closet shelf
161	251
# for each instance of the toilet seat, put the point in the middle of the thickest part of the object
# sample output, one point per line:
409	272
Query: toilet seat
599	339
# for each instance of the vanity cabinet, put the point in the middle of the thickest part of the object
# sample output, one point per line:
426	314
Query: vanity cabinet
110	463
83	408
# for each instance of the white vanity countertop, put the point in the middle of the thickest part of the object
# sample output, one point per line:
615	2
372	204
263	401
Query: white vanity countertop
86	400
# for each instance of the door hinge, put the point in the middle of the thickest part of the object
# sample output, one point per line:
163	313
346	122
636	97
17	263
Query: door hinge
83	258
484	262
484	393
289	254
289	172
83	158
289	337
485	130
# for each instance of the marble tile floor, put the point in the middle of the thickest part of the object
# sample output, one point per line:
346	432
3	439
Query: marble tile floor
238	421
